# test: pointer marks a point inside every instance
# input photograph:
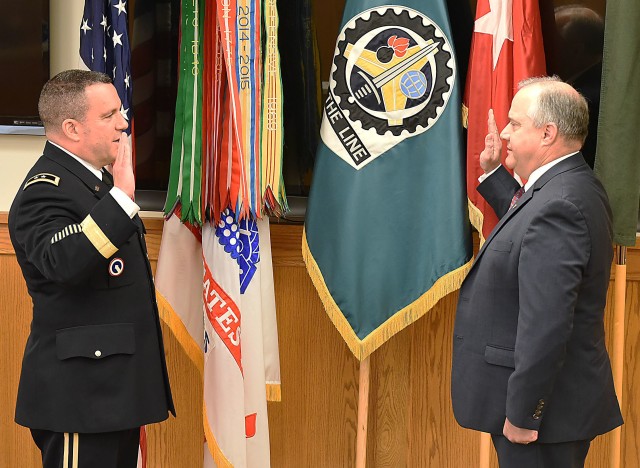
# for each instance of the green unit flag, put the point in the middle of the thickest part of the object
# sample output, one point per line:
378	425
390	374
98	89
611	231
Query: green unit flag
185	179
617	155
386	232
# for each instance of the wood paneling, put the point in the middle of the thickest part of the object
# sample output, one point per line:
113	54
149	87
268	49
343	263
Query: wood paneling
16	446
316	420
411	423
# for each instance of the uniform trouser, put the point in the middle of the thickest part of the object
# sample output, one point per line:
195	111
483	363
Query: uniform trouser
101	450
539	455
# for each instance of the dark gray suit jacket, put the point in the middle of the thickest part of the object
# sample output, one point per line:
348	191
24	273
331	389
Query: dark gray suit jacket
529	336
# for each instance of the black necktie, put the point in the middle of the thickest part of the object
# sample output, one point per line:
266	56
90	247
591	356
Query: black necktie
107	178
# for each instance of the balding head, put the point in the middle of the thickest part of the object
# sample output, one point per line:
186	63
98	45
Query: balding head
561	104
547	120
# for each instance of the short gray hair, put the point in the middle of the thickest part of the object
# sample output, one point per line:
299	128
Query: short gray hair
63	97
568	110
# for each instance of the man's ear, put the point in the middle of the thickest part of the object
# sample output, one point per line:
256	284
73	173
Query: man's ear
550	133
70	129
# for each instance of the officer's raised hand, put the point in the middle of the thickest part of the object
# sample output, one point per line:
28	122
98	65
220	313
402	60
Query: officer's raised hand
490	155
122	168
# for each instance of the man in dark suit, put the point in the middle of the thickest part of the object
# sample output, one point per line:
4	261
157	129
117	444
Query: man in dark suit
94	368
529	359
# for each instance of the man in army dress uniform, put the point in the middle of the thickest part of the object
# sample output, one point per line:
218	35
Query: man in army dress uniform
94	368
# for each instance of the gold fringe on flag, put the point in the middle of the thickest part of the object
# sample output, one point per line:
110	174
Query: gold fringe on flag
477	219
399	321
212	444
465	116
170	318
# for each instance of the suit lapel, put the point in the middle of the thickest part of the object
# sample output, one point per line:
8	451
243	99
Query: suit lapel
568	164
58	156
528	195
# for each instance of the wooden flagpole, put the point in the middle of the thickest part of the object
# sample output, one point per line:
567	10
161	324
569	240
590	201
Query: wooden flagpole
485	450
363	410
620	287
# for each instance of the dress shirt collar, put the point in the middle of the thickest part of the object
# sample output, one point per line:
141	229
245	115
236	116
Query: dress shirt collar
535	175
93	170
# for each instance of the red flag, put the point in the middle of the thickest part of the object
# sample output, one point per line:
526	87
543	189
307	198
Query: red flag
506	48
142	449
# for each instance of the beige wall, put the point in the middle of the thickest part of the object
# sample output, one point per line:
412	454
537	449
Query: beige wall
19	152
17	155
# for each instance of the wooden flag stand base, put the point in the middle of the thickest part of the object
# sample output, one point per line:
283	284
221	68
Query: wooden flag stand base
617	358
363	411
485	450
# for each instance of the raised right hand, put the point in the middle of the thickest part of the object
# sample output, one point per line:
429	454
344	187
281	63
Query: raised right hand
122	168
490	155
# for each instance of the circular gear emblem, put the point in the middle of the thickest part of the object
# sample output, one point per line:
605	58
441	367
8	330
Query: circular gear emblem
393	70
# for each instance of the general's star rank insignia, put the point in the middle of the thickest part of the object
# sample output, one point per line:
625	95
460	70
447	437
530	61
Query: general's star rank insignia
42	177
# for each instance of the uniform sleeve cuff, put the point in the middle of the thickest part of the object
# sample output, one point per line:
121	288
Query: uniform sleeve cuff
128	205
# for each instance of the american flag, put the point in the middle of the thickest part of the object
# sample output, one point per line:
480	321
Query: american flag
104	46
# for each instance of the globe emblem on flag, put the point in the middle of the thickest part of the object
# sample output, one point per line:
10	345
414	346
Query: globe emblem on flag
413	84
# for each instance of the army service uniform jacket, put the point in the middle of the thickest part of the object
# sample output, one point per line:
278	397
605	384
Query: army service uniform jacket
94	360
529	339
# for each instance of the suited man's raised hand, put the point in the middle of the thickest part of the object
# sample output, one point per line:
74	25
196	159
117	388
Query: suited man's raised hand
122	168
518	435
490	155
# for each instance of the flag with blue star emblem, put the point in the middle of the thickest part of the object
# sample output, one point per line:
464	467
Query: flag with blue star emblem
104	47
241	349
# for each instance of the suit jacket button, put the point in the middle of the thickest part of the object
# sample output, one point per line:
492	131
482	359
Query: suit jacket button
98	353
